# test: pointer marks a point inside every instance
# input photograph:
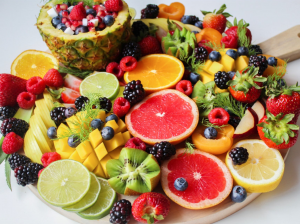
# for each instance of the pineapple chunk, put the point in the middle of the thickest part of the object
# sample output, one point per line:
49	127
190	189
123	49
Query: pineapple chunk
215	67
73	124
84	149
122	126
116	153
112	124
228	63
100	151
115	142
126	136
75	156
95	138
99	171
91	162
103	164
241	62
101	115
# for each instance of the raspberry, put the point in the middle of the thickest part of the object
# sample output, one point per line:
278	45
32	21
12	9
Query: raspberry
121	106
230	41
185	87
50	157
53	78
40	172
78	12
26	100
218	116
136	143
128	63
203	43
35	85
115	69
114	5
12	143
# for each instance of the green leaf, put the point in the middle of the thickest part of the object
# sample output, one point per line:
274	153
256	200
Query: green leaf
226	14
56	93
2	154
293	126
159	217
75	72
222	9
286	138
7	173
205	12
228	24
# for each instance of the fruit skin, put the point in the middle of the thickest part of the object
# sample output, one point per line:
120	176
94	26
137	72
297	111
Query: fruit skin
113	5
181	184
12	143
115	68
150	45
159	204
230	41
239	155
15	125
28	173
121	212
121	107
107	133
162	151
136	143
252	95
238	194
218	116
185	87
50	157
16	160
210	133
128	63
26	100
35	85
7	112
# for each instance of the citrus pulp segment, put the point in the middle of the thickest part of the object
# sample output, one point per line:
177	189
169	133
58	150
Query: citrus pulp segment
167	115
263	170
64	182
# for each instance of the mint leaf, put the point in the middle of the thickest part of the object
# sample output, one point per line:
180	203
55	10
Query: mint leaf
7	173
2	154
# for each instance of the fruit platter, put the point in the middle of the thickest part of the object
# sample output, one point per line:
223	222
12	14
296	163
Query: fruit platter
169	117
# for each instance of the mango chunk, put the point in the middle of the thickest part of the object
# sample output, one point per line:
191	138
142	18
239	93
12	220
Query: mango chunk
116	153
101	115
241	62
91	162
84	149
215	67
103	164
122	126
99	171
62	130
101	151
64	146
112	124
207	65
228	63
57	145
65	155
73	123
115	142
95	138
126	136
205	77
75	156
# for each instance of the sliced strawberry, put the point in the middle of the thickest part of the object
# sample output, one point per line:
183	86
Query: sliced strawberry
69	95
72	82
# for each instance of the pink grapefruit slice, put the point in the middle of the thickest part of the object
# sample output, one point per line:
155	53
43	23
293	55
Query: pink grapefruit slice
209	180
167	115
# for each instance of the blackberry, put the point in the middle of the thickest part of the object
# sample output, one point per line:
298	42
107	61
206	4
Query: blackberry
18	126
105	104
120	213
7	112
28	173
80	102
150	12
200	53
138	28
234	121
260	62
132	49
16	160
239	155
194	19
256	48
134	92
162	151
58	115
221	79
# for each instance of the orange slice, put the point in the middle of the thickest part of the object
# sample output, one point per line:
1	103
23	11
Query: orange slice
33	63
157	72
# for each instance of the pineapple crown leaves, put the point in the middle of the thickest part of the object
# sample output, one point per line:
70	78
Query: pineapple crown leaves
220	11
74	71
246	80
205	122
277	128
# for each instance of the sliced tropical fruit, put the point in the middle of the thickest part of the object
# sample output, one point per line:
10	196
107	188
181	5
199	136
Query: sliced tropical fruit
209	180
33	63
104	203
31	147
157	72
64	183
167	115
103	83
263	170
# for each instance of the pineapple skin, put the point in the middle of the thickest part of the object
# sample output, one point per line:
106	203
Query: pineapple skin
85	51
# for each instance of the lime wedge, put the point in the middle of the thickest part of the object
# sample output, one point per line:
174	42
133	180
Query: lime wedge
64	182
132	12
89	199
103	83
103	205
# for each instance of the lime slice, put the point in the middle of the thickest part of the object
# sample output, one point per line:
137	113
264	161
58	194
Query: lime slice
64	182
132	12
89	199
103	205
103	83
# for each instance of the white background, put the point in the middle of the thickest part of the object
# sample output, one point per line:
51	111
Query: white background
267	18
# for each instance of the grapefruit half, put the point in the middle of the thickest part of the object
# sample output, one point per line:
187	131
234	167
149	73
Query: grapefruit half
209	180
167	115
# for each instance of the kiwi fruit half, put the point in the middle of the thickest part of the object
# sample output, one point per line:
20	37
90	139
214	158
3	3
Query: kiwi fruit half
134	173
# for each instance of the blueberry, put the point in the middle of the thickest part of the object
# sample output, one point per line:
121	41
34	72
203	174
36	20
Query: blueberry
97	123
180	184
186	19
112	117
81	29
243	51
199	24
214	56
195	32
194	78
232	53
109	20
73	141
70	111
281	82
272	61
52	132
91	12
60	14
210	133
61	26
231	74
107	133
55	21
238	194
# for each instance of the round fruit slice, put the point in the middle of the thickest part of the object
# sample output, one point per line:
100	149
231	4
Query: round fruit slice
167	115
209	180
89	199
104	203
64	182
33	63
157	72
263	170
103	83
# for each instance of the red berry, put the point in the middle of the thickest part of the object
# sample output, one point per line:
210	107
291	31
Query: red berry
35	85
65	14
114	5
53	78
203	43
121	106
50	157
64	20
12	143
115	69
68	24
96	7
57	8
128	63
101	13
78	12
136	143
218	116
185	87
89	17
63	6
102	25
230	41
40	172
150	45
26	100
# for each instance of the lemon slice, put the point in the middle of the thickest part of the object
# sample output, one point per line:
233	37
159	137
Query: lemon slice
263	170
132	13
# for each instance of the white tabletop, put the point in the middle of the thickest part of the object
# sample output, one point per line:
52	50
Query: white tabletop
266	18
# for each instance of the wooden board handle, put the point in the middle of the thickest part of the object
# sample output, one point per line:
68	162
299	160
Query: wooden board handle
285	45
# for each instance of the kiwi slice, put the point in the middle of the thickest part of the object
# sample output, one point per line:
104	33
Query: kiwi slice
134	173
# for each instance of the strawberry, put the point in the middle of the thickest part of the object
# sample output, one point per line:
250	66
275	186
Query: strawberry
78	12
150	207
150	45
216	20
203	43
10	87
233	29
246	86
114	5
72	82
278	132
67	95
53	78
230	41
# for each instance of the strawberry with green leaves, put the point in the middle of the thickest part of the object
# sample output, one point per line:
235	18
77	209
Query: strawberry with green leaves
236	29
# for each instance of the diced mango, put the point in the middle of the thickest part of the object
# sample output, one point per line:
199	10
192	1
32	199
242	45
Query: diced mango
103	164
57	145
215	67
95	138
205	77
101	151
116	153
223	51
207	65
112	124
82	117
73	123
126	136
218	90
115	142
65	155
62	130
101	115
64	146
99	171
75	156
122	126
241	62
91	162
228	63
84	149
